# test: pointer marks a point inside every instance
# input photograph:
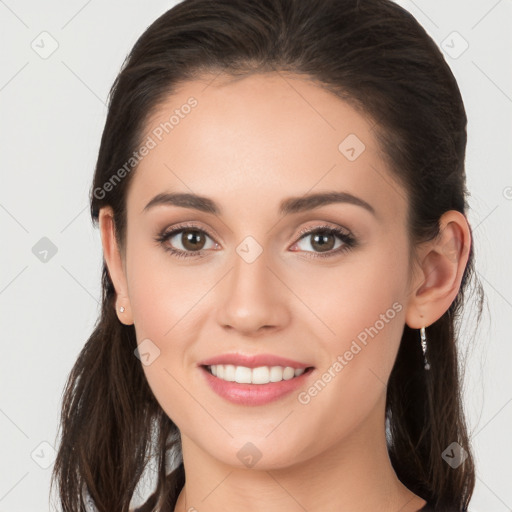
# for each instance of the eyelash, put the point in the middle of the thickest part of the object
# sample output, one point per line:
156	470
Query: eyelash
348	240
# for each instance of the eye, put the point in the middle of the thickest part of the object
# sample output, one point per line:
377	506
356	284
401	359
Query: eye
323	241
191	239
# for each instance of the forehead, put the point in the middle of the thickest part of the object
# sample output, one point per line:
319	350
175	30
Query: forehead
257	139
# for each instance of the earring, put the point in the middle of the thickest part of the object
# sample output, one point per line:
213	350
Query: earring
121	309
423	338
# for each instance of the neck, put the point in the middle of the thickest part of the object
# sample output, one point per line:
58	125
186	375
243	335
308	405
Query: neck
355	475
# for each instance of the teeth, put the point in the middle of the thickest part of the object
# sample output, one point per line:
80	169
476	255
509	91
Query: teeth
260	375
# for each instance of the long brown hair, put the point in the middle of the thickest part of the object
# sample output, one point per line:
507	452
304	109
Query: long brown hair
372	54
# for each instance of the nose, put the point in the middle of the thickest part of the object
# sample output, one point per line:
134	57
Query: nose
253	299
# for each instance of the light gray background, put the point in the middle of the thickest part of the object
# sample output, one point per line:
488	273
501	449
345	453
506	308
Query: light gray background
52	112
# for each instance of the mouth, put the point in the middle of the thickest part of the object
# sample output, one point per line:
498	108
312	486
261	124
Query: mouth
258	386
258	376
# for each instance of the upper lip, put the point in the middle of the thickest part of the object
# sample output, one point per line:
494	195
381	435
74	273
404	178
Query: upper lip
253	361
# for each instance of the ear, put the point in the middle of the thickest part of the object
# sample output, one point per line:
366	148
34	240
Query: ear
114	264
442	264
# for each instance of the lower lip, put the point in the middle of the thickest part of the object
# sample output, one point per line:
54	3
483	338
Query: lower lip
254	394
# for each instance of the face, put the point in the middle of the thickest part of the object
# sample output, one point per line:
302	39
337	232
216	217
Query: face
321	283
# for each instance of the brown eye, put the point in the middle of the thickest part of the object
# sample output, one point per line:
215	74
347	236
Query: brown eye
323	241
185	241
192	239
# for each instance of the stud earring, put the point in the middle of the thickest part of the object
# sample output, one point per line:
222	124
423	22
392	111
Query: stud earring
423	338
121	309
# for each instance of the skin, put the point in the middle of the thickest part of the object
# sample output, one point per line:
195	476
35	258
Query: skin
249	144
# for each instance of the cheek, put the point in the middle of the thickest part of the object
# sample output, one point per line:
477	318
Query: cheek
363	308
357	308
163	293
166	301
353	294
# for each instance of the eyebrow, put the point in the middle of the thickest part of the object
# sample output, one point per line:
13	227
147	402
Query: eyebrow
287	206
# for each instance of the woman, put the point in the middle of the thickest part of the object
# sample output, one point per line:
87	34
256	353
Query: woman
280	192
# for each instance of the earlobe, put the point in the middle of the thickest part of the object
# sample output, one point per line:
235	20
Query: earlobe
442	268
114	263
124	312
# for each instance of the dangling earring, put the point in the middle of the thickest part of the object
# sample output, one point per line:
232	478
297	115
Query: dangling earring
423	338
